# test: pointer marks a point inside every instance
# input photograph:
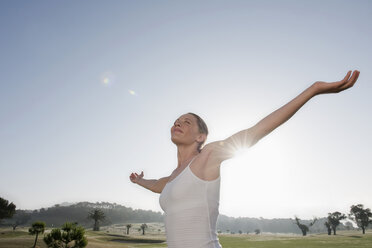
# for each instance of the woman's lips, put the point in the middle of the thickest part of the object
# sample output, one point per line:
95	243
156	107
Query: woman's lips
177	130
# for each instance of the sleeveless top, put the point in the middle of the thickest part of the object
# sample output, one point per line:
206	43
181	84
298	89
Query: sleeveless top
190	207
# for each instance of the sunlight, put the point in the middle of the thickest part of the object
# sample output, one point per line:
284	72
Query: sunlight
268	175
240	151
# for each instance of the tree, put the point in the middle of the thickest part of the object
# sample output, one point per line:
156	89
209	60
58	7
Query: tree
257	231
128	227
97	215
361	216
334	220
329	229
143	227
20	218
6	209
304	228
36	228
72	236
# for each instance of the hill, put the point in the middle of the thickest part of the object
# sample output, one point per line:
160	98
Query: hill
118	214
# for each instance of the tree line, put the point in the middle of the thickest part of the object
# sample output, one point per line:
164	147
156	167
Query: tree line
359	215
70	235
57	215
114	213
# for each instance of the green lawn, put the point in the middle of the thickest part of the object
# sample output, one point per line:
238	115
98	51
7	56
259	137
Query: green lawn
349	239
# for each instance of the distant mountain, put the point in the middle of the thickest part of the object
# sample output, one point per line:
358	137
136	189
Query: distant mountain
78	212
65	204
118	214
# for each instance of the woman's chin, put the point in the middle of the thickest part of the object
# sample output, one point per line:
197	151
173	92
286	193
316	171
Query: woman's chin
176	140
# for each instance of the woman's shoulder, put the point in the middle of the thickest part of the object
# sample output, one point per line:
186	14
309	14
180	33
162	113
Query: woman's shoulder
218	150
212	146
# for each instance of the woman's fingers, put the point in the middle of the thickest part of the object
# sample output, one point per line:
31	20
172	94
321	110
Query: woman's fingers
344	81
351	81
135	176
355	77
347	76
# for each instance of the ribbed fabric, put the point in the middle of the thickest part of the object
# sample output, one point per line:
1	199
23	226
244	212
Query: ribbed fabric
190	206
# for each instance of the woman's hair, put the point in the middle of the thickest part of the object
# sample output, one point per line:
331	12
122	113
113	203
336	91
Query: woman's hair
202	128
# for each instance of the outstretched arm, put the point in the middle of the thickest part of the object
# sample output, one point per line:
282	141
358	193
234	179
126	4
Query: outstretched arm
225	149
155	185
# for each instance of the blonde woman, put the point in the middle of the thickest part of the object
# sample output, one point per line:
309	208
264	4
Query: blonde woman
189	196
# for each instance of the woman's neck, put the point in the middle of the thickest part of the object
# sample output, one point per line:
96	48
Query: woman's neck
185	154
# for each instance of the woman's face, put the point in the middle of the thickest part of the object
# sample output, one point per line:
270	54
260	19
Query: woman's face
185	130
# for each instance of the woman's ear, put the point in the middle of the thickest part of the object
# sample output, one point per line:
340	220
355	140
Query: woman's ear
201	138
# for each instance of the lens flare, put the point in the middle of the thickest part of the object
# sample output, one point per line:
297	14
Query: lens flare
106	81
108	78
132	92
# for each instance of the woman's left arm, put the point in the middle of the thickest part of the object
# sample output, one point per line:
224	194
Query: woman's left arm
225	149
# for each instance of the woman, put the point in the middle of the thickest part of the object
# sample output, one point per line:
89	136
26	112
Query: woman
190	195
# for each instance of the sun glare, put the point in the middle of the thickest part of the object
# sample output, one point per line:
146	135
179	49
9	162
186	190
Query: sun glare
240	151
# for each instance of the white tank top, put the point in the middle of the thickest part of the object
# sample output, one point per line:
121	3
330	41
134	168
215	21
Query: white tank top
190	207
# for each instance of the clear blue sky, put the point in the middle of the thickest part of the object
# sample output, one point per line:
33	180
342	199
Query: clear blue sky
90	89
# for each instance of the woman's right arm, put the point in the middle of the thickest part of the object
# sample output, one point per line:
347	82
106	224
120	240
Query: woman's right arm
226	149
155	185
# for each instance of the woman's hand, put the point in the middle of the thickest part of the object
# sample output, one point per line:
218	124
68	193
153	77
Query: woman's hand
134	177
335	87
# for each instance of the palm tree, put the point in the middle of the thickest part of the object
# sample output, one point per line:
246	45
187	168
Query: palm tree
36	228
71	233
97	215
143	227
128	227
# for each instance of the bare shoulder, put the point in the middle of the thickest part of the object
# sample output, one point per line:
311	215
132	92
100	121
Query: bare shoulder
206	166
218	151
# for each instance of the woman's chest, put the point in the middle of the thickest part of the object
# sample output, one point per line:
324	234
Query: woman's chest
201	167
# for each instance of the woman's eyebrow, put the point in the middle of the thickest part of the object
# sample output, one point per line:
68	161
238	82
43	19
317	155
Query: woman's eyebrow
186	118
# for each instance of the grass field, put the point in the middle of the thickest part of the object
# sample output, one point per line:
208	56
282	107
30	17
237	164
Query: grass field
110	238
